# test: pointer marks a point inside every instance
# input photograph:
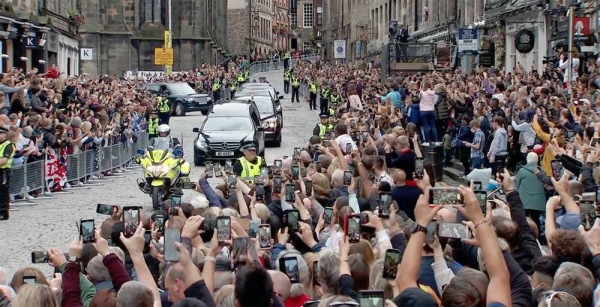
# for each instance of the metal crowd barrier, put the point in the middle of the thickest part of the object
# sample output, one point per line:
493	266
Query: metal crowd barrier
273	65
225	93
84	168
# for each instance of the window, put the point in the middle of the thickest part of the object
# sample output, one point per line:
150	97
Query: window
294	20
153	11
308	15
319	16
306	45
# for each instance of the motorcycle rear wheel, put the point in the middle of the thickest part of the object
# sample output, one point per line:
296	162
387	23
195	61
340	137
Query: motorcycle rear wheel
157	196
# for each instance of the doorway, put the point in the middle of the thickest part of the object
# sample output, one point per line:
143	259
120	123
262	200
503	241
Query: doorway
294	43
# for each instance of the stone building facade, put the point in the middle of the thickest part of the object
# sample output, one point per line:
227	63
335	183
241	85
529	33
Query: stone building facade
123	34
256	15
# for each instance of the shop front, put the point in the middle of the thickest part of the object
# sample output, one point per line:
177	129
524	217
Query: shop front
526	43
68	56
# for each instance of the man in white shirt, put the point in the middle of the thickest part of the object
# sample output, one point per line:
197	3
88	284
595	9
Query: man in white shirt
526	130
343	139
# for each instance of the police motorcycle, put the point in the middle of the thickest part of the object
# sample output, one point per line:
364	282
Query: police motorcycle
165	171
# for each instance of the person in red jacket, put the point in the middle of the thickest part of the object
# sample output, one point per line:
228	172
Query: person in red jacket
52	72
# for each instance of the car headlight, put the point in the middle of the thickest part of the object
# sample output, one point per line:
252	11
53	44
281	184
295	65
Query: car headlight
270	124
201	144
189	99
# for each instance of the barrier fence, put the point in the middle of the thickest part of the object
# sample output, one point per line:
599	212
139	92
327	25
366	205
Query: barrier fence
273	65
82	169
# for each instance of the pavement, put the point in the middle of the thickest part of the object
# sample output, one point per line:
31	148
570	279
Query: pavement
51	223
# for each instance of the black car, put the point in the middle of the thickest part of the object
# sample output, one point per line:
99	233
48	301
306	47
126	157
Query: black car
225	129
264	91
271	120
182	97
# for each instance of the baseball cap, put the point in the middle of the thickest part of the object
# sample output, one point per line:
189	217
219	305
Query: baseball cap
569	221
414	297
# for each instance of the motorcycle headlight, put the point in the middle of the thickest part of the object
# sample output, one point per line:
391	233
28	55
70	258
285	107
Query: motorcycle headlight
154	170
202	144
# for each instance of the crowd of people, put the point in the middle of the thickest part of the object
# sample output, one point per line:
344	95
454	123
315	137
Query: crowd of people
524	248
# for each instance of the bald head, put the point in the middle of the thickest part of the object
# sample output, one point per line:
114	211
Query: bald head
305	158
575	187
281	284
399	177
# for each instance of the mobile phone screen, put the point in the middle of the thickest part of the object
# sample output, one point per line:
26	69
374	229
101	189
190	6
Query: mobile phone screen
293	216
259	190
253	230
385	200
431	227
104	209
297	151
477	186
419	168
347	177
289	193
227	167
371	298
209	169
264	235
348	148
328	214
175	201
289	266
277	165
303	172
217	170
557	170
588	214
29	280
308	185
316	273
131	220
171	252
86	230
39	257
353	229
277	182
453	230
232	181
447	196
295	172
482	199
223	228
240	250
390	264
159	222
209	224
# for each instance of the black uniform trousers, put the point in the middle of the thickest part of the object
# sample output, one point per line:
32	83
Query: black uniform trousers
216	95
232	93
295	93
313	101
323	105
286	86
164	117
4	193
286	64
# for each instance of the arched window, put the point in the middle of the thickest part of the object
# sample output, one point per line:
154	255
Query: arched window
153	11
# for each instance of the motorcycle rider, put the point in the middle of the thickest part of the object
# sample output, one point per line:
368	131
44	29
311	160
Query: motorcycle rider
164	141
248	166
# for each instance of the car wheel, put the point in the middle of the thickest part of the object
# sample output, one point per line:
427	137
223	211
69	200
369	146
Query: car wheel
204	112
179	109
198	161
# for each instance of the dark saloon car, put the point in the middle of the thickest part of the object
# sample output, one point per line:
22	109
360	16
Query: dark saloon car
271	120
182	97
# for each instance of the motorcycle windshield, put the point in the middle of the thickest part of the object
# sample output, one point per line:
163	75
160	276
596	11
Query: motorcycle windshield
158	156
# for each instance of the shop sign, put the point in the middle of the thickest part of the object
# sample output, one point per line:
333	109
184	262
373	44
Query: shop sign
524	41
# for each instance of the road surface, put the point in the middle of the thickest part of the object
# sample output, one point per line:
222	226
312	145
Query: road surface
52	222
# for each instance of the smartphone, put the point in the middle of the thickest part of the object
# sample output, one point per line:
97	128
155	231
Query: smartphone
598	195
240	250
557	169
291	219
482	198
419	168
264	236
453	230
209	224
104	209
175	204
328	215
131	220
295	172
309	186
352	228
147	240
326	143
477	186
87	230
289	266
390	263
217	170
259	191
188	185
371	298
209	169
385	201
159	223
570	136
316	273
228	166
29	280
318	166
277	182
290	196
447	196
348	148
588	213
39	257
431	227
303	172
232	181
277	165
253	229
347	178
501	170
223	228
297	151
365	136
171	252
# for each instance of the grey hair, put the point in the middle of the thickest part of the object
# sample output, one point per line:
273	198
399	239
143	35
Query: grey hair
118	252
532	157
575	279
337	178
3	277
501	212
97	271
296	289
230	212
339	300
225	297
134	293
329	270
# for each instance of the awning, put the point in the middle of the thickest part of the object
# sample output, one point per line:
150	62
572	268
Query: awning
433	36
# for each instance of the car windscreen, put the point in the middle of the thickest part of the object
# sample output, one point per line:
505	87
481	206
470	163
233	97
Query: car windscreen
264	106
227	123
180	89
256	92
